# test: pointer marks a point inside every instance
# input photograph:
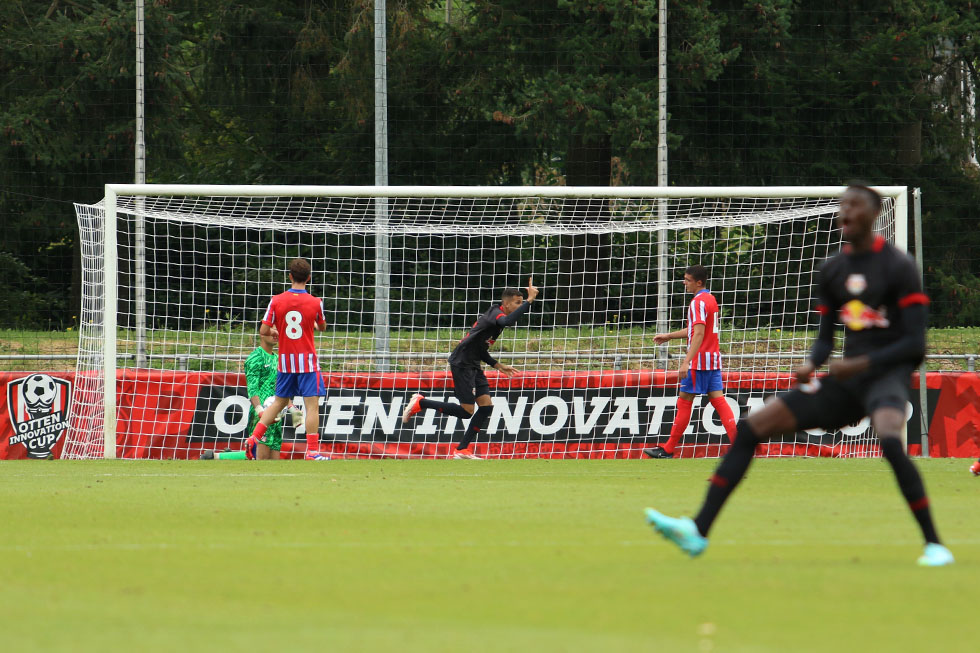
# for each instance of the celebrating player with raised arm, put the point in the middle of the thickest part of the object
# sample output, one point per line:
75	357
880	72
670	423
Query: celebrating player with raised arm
469	383
292	317
700	373
874	290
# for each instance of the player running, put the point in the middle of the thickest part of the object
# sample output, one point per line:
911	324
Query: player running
874	290
700	373
291	318
469	382
975	468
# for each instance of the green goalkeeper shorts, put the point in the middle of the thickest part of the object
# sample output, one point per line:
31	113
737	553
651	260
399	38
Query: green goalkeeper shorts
273	435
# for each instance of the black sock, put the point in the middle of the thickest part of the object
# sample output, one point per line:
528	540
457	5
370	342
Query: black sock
479	422
445	407
910	483
730	471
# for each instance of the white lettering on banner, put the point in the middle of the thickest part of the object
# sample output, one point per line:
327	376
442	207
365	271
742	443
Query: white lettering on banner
374	411
707	417
598	405
626	416
560	419
502	411
339	416
429	424
659	404
221	414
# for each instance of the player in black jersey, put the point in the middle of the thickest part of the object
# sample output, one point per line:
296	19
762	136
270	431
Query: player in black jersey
469	383
873	289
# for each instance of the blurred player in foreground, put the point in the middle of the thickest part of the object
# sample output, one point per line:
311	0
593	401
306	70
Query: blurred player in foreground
874	290
469	382
291	318
700	373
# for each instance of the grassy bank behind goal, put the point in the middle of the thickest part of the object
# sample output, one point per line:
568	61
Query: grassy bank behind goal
810	555
224	348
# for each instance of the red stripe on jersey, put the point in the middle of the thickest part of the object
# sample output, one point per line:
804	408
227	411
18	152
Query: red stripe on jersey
878	244
823	309
914	298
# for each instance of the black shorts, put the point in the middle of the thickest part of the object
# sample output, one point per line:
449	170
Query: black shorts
839	403
469	383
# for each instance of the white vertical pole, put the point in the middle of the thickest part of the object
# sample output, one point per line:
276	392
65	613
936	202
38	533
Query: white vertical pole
139	272
382	264
923	392
902	243
109	274
662	280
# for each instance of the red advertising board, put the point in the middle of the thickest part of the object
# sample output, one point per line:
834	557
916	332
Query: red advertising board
598	414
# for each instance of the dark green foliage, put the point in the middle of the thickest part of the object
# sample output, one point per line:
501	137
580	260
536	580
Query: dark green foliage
508	91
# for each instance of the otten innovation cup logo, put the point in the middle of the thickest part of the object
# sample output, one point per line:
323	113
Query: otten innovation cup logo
38	406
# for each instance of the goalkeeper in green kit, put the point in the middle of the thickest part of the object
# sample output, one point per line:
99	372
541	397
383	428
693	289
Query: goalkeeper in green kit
260	381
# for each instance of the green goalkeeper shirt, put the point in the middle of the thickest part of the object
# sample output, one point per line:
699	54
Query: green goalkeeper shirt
260	380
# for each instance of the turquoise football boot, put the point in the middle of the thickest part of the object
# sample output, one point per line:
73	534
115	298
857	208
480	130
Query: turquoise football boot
936	555
679	530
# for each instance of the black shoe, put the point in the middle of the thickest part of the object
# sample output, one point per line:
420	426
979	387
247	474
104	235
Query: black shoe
207	454
657	452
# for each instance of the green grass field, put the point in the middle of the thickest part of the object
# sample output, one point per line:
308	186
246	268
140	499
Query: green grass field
810	555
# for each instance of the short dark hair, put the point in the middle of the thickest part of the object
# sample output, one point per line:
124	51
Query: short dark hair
869	191
698	273
511	292
300	269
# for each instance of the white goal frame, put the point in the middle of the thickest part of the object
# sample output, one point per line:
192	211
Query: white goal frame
900	194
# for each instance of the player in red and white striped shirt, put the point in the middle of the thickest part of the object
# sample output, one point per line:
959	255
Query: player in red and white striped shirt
292	317
700	373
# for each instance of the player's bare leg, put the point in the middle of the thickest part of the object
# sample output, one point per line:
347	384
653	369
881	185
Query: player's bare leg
478	422
264	452
312	405
887	422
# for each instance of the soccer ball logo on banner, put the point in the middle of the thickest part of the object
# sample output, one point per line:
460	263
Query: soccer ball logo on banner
38	408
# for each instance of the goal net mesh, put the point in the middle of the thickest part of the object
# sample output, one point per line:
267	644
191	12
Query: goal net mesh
403	278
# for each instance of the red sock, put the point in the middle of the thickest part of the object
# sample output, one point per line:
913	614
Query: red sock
259	432
681	420
725	414
313	442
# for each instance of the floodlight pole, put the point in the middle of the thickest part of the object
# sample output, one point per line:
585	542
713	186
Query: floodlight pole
382	262
662	213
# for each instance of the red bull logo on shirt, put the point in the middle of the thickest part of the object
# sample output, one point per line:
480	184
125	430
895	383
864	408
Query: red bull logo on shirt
856	316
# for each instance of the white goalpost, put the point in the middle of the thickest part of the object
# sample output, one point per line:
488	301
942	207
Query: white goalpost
175	279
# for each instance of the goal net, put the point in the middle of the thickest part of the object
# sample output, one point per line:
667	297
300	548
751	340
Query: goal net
176	279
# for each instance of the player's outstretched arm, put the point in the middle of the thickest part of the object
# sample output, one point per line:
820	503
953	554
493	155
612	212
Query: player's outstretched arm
511	320
661	338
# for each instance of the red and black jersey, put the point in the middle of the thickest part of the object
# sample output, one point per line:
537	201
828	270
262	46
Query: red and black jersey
867	292
475	345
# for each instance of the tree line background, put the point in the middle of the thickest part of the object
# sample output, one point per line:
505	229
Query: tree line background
768	92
